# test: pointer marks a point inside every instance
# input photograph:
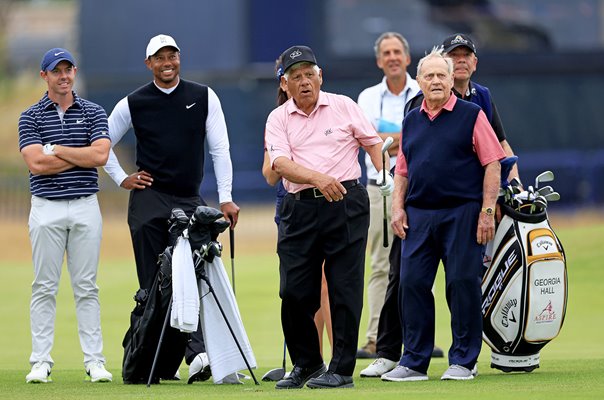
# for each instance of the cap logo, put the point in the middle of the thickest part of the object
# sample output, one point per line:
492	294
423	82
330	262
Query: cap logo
163	39
295	54
59	53
459	39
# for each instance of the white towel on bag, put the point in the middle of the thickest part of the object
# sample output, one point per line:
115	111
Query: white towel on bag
225	358
185	294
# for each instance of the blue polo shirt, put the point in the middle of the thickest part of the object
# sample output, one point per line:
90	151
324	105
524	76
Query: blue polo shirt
83	123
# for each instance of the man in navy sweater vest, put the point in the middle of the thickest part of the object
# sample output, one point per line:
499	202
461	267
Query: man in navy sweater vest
446	183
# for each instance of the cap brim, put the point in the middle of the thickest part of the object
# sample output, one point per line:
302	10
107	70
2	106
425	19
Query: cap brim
456	45
298	62
53	64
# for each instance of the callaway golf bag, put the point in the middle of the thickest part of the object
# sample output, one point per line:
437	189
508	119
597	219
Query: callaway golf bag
524	288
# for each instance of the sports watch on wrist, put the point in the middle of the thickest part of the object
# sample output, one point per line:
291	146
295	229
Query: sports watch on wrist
488	211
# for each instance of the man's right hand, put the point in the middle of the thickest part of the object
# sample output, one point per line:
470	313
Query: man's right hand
399	223
138	180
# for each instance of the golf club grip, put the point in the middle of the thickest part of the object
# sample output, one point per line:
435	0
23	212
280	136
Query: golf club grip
232	242
385	242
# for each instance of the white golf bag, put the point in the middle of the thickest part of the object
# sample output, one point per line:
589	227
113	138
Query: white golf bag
524	290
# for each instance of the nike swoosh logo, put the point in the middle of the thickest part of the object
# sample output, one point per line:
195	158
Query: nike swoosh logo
190	105
79	121
59	53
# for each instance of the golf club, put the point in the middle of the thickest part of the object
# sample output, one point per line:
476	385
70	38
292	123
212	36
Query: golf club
554	196
545	190
385	147
232	243
546	176
276	374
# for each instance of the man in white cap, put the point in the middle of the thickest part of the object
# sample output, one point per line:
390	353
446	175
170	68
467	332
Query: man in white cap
173	119
63	139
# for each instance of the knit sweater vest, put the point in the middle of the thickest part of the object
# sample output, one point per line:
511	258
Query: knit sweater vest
170	134
443	169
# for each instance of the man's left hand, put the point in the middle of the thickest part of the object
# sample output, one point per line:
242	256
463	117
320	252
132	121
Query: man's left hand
486	228
231	212
386	187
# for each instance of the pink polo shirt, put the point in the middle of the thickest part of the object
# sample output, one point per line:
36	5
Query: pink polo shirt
325	141
486	144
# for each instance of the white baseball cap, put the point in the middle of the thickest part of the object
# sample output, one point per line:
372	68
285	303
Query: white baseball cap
159	41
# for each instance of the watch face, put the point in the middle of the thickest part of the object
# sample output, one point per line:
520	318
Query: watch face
488	211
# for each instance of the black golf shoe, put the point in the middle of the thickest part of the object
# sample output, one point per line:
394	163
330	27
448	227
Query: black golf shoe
299	376
330	380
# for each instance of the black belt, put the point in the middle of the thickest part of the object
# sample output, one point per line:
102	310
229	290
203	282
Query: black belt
314	193
372	182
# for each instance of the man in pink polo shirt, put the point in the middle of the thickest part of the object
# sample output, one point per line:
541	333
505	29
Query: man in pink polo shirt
313	142
446	182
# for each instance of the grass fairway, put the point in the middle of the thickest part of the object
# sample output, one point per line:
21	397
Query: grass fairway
572	366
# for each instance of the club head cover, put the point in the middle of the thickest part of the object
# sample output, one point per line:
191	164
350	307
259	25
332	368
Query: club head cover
506	166
204	215
218	227
177	223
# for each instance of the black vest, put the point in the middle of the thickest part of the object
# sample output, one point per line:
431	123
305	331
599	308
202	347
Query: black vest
170	134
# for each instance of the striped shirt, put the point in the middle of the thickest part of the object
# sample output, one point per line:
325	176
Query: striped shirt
83	123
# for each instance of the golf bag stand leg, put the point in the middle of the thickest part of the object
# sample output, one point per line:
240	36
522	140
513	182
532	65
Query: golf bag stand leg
161	338
204	277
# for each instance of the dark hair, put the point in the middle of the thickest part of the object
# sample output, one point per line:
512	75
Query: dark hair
281	95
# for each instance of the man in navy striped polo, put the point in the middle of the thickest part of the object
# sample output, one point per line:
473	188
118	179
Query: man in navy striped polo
63	139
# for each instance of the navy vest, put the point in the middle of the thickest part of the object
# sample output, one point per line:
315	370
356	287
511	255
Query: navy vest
443	169
170	134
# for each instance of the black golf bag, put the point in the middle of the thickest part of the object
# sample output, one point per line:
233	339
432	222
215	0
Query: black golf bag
147	319
524	290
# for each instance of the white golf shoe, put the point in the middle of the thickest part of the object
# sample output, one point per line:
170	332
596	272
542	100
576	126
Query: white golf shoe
378	368
199	369
40	373
97	372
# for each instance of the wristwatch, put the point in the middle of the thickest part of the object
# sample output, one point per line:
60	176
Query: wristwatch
488	211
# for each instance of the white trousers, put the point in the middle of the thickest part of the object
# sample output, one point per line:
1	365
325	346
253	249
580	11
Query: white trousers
56	228
380	263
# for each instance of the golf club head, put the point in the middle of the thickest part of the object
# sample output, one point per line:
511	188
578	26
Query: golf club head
546	176
554	196
387	144
545	190
274	375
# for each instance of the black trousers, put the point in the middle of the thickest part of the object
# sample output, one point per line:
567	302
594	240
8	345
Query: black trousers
148	214
390	333
314	231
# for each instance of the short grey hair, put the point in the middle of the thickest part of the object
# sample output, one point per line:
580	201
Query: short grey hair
300	65
388	35
437	52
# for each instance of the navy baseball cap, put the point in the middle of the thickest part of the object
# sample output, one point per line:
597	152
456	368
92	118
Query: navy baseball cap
456	40
297	54
55	56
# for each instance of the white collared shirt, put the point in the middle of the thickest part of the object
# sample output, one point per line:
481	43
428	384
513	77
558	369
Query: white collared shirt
379	103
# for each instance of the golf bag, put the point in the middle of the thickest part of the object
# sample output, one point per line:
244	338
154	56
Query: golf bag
147	320
524	289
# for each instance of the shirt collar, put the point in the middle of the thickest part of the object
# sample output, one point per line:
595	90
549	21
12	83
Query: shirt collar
47	103
384	87
447	106
469	93
321	101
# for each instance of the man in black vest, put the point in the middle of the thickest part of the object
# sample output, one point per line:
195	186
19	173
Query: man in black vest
172	120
